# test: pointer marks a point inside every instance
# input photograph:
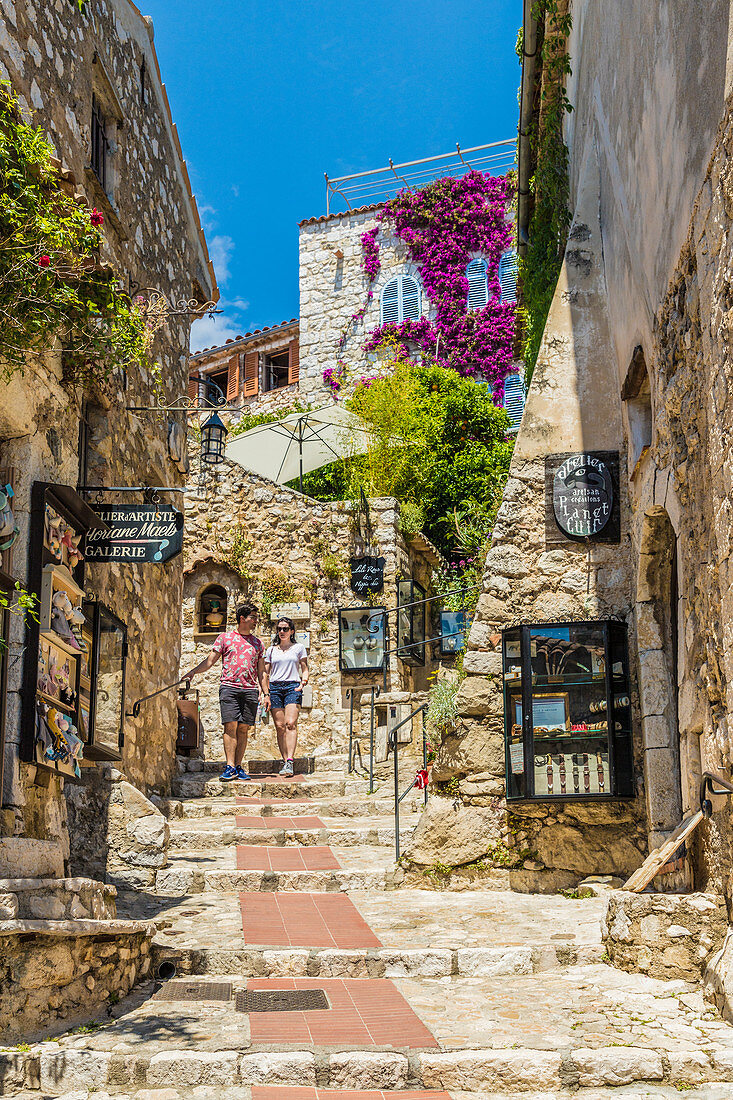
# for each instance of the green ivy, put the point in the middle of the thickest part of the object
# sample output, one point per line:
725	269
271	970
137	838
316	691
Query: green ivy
550	220
18	601
52	284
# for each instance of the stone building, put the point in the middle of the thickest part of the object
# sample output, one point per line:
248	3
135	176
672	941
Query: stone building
91	82
634	373
258	371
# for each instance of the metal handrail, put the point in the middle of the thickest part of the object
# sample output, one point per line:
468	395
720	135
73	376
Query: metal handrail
394	747
135	712
706	786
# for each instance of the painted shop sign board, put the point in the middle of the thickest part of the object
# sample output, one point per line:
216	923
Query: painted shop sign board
295	611
581	497
367	575
137	533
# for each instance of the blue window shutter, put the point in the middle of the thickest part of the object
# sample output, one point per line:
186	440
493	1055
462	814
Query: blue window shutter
514	397
410	298
390	303
478	290
508	276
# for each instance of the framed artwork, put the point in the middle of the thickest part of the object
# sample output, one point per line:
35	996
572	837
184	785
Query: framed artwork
550	711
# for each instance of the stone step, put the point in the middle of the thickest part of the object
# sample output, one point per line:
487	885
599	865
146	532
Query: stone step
349	807
257	961
331	762
199	786
56	899
177	881
221	835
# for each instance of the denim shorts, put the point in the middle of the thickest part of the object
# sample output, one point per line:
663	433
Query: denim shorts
284	692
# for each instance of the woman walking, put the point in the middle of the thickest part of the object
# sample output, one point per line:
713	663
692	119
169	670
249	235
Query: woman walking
286	674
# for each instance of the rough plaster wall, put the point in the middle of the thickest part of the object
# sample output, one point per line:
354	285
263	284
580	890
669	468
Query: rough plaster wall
571	406
283	527
332	289
648	86
47	52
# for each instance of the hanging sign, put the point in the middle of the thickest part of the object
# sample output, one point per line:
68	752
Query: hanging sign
582	495
137	533
367	575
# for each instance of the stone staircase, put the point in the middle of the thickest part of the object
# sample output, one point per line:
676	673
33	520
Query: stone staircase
432	993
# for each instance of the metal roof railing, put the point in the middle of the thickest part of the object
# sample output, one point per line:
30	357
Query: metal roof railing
380	184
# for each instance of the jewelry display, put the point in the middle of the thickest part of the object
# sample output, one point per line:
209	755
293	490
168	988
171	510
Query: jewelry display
586	773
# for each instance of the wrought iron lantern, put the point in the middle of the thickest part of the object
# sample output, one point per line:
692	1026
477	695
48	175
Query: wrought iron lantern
213	440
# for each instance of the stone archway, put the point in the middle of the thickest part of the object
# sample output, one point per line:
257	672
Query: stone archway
657	602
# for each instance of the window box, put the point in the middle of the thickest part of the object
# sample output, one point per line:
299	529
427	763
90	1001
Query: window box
567	711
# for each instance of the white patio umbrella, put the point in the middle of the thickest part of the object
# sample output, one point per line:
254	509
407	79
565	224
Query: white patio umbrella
299	443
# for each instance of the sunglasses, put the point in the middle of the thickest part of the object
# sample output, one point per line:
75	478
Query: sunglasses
283	630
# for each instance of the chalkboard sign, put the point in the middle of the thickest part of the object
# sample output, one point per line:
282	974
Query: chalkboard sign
137	533
367	575
581	497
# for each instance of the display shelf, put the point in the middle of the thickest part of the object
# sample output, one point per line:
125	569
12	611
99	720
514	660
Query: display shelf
51	636
69	707
539	679
592	735
62	574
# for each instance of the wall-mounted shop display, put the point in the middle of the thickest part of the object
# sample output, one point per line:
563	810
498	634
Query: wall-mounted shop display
212	610
567	711
362	639
582	497
411	622
453	627
105	703
367	574
56	677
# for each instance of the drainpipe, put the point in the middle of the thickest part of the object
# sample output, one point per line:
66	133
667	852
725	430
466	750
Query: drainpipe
529	57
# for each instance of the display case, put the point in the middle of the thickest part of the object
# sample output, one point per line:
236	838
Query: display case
453	627
410	622
362	639
567	711
102	689
59	645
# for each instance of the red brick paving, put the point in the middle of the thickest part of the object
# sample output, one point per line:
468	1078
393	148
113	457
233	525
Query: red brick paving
242	801
369	1011
250	821
304	920
281	1092
259	857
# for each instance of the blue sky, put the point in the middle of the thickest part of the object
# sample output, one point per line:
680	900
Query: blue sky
270	94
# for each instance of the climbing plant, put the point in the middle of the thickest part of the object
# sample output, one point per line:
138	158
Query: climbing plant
550	220
443	226
53	285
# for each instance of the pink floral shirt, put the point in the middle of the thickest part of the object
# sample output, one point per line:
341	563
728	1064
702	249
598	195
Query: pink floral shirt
240	654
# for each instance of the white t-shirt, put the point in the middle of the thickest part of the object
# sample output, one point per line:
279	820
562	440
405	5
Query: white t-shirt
285	663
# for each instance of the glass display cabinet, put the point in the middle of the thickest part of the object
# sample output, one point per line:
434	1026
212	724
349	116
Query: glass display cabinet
567	711
410	622
362	639
453	628
102	689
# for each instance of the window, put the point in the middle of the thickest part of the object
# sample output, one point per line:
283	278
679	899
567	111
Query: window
411	622
400	300
100	144
514	398
276	370
478	287
637	394
508	276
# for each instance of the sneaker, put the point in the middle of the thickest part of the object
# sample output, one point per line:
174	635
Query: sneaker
287	768
228	773
242	774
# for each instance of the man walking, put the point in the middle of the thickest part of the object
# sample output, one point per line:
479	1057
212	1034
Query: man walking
242	668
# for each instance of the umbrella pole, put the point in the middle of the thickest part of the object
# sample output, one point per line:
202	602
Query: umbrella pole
300	454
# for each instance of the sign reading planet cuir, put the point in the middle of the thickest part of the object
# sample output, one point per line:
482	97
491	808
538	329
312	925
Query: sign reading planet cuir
582	495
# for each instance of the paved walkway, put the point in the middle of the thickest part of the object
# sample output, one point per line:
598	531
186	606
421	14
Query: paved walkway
287	890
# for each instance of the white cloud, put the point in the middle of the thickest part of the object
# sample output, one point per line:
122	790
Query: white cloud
212	332
221	248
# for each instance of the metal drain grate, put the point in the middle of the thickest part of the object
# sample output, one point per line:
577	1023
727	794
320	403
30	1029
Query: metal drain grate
194	991
281	1000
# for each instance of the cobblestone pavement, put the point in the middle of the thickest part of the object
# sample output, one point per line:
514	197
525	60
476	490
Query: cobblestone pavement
449	996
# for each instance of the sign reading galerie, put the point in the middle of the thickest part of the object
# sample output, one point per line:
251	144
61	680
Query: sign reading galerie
137	533
582	495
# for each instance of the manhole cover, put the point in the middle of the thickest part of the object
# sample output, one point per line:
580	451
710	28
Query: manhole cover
194	991
281	1000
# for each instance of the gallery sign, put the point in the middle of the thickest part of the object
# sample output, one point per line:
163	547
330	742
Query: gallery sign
136	533
581	497
367	575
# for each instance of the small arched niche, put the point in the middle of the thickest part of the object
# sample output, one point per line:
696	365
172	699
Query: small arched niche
211	617
636	392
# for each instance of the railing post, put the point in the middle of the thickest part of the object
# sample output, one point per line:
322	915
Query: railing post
375	691
424	757
393	739
350	697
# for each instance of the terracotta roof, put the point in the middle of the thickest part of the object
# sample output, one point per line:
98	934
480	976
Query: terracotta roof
256	334
342	214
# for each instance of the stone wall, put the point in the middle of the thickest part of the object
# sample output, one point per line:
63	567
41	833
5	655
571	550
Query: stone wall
55	59
333	288
571	407
289	532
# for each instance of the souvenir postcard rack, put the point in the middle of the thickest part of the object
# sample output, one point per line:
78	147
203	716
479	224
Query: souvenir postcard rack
362	639
567	711
59	652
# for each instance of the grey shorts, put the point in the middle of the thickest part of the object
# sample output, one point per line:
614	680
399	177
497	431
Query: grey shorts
238	704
